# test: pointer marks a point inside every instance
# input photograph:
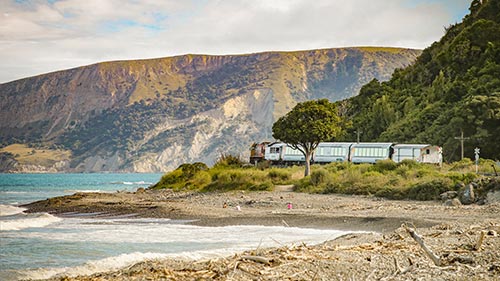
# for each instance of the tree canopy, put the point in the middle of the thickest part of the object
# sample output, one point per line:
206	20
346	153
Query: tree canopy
453	86
308	124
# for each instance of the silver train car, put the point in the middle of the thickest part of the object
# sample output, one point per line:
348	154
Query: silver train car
364	152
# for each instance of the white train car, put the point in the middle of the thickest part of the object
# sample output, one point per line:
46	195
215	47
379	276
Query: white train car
294	156
282	153
328	152
370	152
407	151
432	154
423	153
274	152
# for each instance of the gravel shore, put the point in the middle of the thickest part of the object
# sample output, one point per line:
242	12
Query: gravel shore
388	252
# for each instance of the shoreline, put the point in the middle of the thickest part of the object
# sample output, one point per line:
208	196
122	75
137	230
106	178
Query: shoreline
449	231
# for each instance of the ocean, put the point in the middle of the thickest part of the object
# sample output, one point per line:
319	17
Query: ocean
41	245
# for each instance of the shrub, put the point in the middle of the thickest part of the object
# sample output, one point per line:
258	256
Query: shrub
460	177
279	175
337	166
430	190
384	166
320	177
392	192
185	176
305	185
201	179
238	179
171	180
403	170
190	170
410	163
262	165
227	159
465	163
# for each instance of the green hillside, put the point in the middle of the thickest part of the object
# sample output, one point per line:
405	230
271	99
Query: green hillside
454	86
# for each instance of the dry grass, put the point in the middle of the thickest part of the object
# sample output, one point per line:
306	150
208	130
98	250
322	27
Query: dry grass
36	156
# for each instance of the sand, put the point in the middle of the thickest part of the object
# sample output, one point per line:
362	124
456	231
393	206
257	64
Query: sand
386	252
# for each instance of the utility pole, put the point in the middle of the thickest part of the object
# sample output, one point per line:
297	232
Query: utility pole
358	132
476	154
462	139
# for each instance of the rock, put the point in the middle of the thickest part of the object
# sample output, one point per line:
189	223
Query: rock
493	197
452	202
467	195
448	195
140	190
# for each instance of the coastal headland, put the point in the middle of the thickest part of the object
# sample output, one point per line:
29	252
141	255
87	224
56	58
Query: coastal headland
464	238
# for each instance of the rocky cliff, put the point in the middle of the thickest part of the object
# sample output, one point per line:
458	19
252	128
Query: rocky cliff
152	115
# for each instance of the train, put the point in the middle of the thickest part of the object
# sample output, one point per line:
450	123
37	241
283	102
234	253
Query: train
279	153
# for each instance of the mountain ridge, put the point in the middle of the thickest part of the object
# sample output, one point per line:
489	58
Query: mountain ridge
114	116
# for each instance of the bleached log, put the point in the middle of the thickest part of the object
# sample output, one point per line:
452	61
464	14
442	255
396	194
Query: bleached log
284	223
479	242
418	239
260	259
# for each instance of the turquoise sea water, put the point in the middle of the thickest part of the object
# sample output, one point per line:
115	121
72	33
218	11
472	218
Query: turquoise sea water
43	245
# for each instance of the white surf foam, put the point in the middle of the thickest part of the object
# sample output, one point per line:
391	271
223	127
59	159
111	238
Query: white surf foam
91	267
8	210
119	262
133	230
27	221
132	183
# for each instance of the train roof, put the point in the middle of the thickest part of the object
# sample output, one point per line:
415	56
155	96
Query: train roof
335	144
405	145
372	144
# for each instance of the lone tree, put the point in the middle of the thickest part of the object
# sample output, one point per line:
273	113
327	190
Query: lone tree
308	124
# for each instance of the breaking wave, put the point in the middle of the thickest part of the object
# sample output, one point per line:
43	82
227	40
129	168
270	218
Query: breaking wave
8	210
27	221
132	183
91	267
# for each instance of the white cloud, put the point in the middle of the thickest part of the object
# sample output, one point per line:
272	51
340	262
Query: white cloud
38	37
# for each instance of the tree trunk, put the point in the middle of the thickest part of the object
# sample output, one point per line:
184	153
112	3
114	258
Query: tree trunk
308	163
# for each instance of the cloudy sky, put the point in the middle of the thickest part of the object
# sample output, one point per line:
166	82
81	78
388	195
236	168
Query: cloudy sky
39	36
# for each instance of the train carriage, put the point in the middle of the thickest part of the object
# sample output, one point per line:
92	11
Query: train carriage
328	152
293	156
370	152
274	152
407	151
423	153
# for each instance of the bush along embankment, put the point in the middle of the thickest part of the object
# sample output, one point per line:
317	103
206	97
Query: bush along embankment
229	173
405	180
455	183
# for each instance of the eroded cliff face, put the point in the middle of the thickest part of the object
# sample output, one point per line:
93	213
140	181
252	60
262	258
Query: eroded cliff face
227	129
153	115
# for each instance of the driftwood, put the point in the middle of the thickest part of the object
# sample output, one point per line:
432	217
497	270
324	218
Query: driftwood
260	259
418	239
479	242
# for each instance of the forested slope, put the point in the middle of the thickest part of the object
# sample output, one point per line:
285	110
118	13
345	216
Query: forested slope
454	86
